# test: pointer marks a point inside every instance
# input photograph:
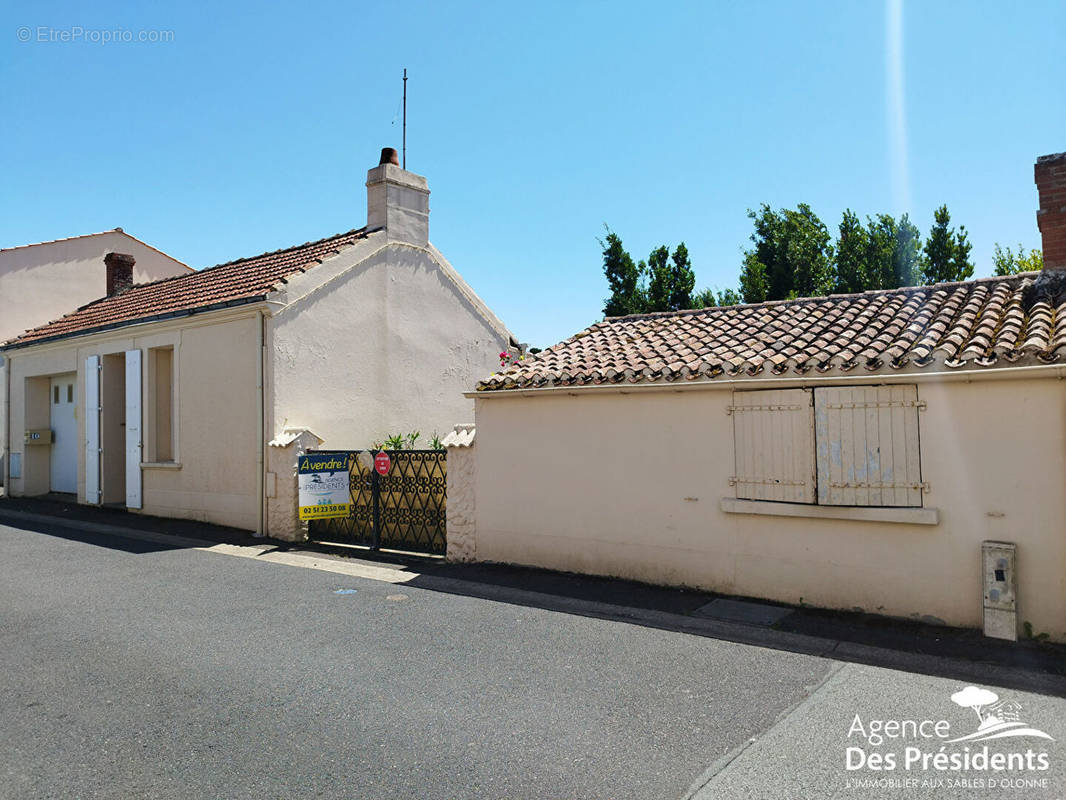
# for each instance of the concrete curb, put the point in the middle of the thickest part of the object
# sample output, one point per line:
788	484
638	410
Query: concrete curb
1011	676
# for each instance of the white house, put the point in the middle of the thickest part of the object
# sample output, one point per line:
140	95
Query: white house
198	391
40	282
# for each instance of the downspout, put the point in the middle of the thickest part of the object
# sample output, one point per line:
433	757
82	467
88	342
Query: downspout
7	425
260	462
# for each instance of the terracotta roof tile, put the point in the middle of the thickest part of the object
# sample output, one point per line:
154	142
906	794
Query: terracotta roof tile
976	323
234	282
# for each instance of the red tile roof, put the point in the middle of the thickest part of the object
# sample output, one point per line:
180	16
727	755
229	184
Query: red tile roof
973	323
232	283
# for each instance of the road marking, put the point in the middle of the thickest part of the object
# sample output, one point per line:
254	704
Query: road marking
265	553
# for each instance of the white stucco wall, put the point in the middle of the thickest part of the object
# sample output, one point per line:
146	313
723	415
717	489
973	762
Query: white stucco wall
385	340
214	474
42	282
630	485
39	283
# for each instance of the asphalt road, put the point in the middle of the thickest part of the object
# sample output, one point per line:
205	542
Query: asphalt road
134	669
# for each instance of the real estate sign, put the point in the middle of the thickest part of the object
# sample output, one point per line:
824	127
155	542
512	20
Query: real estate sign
324	488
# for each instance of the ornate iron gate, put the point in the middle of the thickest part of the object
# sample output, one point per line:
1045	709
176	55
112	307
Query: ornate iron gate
405	509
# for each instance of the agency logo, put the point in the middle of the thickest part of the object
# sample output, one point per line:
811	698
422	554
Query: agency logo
997	719
923	753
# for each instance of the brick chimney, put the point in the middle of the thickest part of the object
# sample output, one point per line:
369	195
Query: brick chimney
398	201
119	272
1050	172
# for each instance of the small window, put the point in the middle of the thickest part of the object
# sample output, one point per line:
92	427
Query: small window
55	395
70	392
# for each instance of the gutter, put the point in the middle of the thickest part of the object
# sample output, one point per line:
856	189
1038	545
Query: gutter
6	461
988	373
127	323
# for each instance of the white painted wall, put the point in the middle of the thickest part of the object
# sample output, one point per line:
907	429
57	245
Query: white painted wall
213	474
630	485
42	282
385	340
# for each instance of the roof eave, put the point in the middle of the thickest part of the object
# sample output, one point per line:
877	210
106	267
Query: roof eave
184	312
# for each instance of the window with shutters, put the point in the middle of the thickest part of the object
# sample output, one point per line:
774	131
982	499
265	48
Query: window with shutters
833	446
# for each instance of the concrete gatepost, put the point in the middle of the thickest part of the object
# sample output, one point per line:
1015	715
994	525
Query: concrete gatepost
462	495
282	486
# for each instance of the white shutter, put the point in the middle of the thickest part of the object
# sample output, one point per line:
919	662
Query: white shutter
868	446
773	437
92	430
133	428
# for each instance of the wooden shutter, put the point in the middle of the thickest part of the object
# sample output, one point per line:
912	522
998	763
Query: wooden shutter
867	443
133	429
773	437
92	430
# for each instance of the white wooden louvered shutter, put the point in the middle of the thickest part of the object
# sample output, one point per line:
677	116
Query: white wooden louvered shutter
773	436
92	430
868	446
134	452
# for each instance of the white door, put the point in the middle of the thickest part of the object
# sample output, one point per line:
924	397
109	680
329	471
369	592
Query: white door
133	429
92	430
64	423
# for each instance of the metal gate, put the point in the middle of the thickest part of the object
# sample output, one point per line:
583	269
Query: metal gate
405	509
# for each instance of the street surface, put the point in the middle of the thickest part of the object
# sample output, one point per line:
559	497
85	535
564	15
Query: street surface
134	669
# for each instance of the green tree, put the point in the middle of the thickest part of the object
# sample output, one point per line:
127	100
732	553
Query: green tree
880	244
792	246
946	252
851	255
670	279
623	278
961	264
1005	262
906	254
754	286
704	298
729	297
707	298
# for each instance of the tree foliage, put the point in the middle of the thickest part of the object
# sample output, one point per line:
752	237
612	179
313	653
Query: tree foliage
946	255
1005	262
791	257
851	254
623	278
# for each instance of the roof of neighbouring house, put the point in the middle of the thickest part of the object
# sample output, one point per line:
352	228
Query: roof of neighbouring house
245	280
1013	319
90	236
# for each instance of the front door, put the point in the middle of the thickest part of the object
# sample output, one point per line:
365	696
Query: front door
63	401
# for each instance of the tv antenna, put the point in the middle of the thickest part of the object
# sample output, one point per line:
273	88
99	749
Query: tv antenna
404	163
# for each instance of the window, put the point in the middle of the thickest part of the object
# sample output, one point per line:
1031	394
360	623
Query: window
161	404
834	446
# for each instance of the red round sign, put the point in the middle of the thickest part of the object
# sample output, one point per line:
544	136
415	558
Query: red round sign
382	463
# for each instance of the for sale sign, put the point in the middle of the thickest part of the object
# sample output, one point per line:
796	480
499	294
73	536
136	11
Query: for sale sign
324	485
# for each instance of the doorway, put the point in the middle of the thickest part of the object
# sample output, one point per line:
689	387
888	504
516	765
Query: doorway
62	398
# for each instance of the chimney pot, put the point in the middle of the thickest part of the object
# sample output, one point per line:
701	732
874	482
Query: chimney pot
1050	175
119	272
389	156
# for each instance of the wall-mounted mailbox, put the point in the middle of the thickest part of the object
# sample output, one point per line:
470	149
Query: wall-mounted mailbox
1001	589
42	436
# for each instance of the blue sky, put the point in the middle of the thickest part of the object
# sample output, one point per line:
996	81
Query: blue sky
253	128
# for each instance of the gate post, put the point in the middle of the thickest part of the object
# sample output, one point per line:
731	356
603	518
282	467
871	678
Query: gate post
462	495
375	491
281	488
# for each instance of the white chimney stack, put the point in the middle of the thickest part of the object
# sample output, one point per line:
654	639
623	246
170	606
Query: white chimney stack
398	201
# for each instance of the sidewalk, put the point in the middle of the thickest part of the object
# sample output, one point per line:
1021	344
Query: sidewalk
846	636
